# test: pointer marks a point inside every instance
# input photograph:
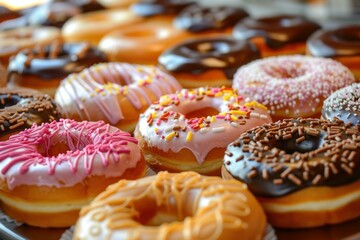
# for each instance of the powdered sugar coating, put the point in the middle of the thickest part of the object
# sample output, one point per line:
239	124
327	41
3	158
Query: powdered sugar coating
294	84
95	148
344	104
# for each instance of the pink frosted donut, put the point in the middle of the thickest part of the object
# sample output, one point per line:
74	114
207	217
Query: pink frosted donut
292	86
114	92
191	129
49	171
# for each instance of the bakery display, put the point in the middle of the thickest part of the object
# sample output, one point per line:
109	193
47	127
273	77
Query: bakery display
341	43
173	206
43	66
21	108
292	86
304	172
49	171
189	130
207	61
113	92
278	34
343	104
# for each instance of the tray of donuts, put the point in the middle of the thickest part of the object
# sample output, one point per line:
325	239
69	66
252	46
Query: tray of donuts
173	120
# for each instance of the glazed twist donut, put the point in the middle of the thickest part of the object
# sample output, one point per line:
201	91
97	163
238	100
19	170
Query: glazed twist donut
173	206
305	172
115	92
49	171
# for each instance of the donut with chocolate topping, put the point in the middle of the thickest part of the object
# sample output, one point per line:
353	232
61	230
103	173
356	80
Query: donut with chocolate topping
341	44
21	108
43	67
199	18
6	14
210	61
343	104
308	168
277	35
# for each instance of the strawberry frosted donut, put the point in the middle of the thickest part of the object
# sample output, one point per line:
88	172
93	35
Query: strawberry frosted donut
115	92
49	171
292	86
191	129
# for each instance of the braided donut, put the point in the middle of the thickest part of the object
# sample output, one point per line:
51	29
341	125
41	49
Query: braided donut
173	206
305	172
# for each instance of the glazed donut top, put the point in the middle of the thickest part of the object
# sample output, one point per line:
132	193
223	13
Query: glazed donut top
166	126
343	41
285	81
148	8
200	207
277	31
279	158
56	60
344	104
199	55
20	108
95	148
198	18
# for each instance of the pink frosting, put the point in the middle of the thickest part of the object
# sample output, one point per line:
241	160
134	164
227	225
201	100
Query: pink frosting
94	93
164	125
95	148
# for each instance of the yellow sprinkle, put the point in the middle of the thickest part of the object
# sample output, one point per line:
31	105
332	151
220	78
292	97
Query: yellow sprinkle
170	136
222	114
228	91
255	104
212	118
156	130
219	94
237	112
92	94
233	118
103	93
227	97
153	114
189	136
202	125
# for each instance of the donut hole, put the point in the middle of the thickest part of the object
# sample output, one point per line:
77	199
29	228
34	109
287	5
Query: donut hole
350	36
208	47
291	71
6	101
199	113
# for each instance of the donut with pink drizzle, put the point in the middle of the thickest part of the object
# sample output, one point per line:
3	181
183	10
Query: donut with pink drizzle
113	92
49	171
292	86
191	129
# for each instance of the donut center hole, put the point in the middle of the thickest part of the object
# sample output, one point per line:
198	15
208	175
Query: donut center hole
6	101
290	72
53	150
204	112
290	146
351	36
210	47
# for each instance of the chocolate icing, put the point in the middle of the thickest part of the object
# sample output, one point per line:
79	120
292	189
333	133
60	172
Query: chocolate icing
148	8
277	30
198	55
6	14
199	18
343	104
279	158
55	61
343	41
20	108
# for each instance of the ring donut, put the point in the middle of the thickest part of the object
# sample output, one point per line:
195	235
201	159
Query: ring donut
305	172
49	171
114	92
190	130
173	206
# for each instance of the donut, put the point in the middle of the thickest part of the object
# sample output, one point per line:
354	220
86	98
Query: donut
115	92
21	108
12	41
304	172
198	18
207	61
292	86
95	25
190	130
341	44
49	171
141	43
44	66
277	35
173	206
343	104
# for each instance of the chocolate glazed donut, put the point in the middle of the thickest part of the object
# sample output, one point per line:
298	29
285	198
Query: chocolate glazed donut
343	41
277	31
198	55
148	8
21	108
198	18
279	158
